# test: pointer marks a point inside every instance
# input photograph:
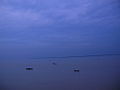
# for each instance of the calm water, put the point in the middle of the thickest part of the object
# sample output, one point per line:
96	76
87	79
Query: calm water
96	73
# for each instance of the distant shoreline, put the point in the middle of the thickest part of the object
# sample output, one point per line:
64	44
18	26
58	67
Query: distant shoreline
92	55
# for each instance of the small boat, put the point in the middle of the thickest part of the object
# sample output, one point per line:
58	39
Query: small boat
76	70
29	68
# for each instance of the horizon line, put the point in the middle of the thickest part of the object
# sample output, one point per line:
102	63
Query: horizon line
92	55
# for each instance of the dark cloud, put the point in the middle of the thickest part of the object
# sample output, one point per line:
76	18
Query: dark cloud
63	27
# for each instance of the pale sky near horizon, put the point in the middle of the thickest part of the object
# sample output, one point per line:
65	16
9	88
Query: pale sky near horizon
43	28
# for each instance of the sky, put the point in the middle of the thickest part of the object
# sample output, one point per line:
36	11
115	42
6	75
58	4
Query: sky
48	28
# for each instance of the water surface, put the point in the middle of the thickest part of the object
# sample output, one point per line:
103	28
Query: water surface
96	73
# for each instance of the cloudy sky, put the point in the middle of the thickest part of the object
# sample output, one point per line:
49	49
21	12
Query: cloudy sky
43	28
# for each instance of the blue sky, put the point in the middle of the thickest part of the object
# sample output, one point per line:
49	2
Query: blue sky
43	28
